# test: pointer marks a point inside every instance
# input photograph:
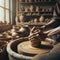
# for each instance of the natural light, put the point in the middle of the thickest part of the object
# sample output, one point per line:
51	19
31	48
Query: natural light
4	10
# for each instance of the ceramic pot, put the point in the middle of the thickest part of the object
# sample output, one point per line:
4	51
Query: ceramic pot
12	50
21	18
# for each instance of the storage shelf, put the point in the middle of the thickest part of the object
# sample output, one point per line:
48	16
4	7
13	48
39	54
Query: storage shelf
36	2
27	23
44	9
40	15
35	11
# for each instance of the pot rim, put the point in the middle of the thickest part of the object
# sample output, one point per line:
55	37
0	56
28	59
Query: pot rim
14	54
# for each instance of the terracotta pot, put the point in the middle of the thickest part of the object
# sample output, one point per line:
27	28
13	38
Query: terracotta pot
41	19
12	50
23	31
31	8
37	8
21	18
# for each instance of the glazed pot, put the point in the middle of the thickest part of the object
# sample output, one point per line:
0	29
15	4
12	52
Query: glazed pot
12	50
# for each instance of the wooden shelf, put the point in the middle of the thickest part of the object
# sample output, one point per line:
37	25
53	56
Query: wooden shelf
40	15
35	11
27	23
36	2
45	9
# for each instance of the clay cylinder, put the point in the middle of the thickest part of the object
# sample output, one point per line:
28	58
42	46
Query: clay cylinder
35	41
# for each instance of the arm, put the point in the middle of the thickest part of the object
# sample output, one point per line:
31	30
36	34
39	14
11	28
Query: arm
47	24
54	31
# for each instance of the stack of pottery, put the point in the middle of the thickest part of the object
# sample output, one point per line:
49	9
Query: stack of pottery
23	31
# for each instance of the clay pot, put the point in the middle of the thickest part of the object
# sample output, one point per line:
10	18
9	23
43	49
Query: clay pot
24	31
12	50
35	20
41	19
43	9
21	18
35	42
31	8
5	37
37	9
27	8
15	28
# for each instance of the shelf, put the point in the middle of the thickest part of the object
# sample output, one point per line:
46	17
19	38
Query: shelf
37	15
40	15
43	3
35	2
35	12
45	9
38	23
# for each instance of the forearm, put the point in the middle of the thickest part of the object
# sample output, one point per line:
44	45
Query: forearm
51	22
48	24
54	31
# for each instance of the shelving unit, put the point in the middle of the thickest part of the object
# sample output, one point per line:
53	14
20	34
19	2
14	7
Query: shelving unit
35	8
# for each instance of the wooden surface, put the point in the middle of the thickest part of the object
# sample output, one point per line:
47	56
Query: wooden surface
27	49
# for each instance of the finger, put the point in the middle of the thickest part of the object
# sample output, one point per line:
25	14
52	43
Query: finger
33	29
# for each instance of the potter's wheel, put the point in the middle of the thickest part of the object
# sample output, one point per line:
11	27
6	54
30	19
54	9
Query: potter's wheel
26	48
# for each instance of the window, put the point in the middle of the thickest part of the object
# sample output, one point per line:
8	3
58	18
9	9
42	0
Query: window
5	10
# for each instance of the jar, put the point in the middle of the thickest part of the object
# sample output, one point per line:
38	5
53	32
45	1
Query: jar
21	18
41	19
35	20
30	0
24	31
37	9
31	8
27	8
43	9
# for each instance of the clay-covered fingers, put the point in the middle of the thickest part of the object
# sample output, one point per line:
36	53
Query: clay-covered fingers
43	26
46	32
32	30
33	36
37	31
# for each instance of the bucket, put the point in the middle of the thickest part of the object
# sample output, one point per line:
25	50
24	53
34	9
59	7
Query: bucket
12	50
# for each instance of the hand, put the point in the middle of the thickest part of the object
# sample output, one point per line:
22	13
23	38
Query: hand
43	26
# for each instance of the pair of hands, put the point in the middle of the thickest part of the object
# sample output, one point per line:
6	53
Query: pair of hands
53	31
35	31
37	34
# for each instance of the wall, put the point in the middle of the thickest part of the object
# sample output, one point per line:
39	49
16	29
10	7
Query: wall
13	11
